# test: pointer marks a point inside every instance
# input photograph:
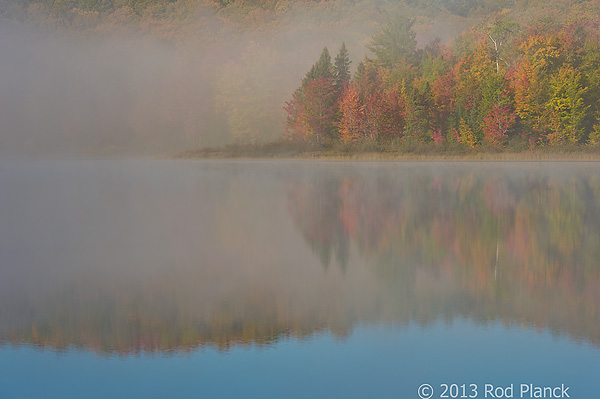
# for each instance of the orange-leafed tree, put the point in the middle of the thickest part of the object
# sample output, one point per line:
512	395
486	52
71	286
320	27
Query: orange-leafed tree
351	124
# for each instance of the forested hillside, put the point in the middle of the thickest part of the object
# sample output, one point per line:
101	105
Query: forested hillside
157	76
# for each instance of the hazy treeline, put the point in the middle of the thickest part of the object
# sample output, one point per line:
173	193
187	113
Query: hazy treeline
512	80
158	76
110	76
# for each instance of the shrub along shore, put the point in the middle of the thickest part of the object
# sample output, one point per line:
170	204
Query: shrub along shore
450	151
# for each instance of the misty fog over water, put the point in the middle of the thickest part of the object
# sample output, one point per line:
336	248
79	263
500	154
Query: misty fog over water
126	93
114	85
62	95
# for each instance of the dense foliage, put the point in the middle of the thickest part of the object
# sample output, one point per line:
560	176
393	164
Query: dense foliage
504	83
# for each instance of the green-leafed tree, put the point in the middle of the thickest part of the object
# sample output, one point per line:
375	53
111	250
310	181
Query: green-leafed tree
365	71
501	32
420	103
567	107
395	42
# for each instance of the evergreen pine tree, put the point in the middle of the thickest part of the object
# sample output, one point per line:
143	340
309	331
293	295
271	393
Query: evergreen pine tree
323	68
342	68
361	69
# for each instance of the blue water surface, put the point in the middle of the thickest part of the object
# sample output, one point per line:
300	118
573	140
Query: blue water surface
374	362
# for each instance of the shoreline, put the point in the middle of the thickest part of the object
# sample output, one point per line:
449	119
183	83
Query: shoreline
265	152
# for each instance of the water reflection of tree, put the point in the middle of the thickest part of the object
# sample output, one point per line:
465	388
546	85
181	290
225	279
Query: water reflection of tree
324	230
158	319
397	245
521	246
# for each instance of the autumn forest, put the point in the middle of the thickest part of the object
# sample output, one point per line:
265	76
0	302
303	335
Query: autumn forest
158	76
501	83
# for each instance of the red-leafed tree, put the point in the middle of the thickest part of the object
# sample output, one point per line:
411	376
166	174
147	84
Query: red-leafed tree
385	113
312	112
443	92
383	103
497	123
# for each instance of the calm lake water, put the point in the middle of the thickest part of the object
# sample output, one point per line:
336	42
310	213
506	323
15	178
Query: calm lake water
272	279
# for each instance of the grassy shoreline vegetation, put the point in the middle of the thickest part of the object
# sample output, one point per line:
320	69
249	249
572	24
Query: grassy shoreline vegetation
455	152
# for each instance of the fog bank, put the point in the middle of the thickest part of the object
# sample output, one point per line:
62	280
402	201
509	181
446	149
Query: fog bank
104	86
